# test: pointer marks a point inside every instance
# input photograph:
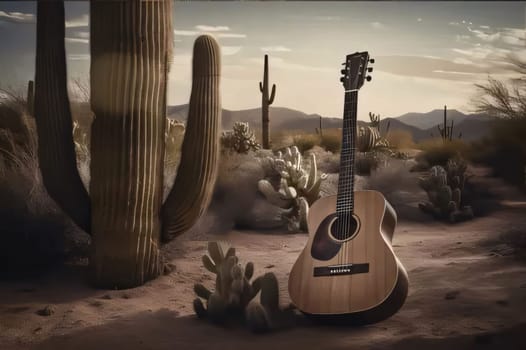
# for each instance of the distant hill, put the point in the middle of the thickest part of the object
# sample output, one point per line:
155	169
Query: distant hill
472	126
436	116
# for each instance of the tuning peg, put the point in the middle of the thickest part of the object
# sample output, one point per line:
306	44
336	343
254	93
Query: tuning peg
371	60
342	79
344	71
369	78
370	69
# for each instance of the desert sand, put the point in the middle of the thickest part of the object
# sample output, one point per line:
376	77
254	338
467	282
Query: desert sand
467	291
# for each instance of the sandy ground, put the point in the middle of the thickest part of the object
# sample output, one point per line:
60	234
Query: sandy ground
467	291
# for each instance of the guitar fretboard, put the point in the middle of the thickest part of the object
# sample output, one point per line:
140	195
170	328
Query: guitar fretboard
345	198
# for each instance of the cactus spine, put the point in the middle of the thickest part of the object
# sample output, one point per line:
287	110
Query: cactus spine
266	101
56	151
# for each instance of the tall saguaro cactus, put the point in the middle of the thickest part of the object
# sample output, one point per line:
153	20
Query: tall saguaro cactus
265	102
56	151
446	132
130	48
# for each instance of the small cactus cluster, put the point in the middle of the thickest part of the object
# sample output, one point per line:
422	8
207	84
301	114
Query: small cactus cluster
233	298
444	187
240	139
299	187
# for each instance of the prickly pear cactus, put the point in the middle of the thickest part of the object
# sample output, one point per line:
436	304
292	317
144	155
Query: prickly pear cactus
267	314
299	186
234	292
240	139
444	187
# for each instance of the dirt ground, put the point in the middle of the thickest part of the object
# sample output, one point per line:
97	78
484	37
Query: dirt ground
467	291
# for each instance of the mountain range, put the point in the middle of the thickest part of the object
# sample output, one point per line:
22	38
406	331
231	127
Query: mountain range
421	125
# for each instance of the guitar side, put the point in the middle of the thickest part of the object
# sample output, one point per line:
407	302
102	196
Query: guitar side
361	297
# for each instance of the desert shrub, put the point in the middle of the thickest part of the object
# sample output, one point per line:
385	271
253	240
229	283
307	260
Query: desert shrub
366	162
235	192
436	152
306	142
327	162
33	231
400	139
504	150
332	142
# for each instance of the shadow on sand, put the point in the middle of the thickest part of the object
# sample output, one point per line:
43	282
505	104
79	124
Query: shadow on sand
164	330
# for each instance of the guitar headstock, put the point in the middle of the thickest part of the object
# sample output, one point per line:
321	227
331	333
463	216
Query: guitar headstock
354	73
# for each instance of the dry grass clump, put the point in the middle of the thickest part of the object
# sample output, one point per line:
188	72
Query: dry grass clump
400	139
437	152
331	140
34	231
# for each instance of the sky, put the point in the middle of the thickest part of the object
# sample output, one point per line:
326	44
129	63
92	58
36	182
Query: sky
428	54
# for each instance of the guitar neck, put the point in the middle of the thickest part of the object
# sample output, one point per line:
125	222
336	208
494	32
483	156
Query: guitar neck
345	198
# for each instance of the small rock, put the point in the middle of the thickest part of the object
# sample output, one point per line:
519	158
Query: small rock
96	303
451	295
38	329
459	242
168	268
47	311
106	296
269	266
125	296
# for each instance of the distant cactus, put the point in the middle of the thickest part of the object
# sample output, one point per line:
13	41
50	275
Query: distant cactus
444	187
369	139
375	123
240	139
266	101
298	188
232	298
446	132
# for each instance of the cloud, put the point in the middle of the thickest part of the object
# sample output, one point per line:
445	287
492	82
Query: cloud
419	19
454	23
275	49
77	40
78	57
460	68
377	25
484	27
485	36
231	35
181	32
81	21
327	18
230	50
17	17
280	63
185	32
205	28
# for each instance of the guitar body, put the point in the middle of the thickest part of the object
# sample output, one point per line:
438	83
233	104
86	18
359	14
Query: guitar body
357	279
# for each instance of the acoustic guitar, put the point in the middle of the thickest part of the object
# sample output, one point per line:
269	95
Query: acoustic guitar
348	270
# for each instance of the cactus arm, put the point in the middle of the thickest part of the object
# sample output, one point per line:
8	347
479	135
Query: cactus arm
272	94
192	190
56	149
261	86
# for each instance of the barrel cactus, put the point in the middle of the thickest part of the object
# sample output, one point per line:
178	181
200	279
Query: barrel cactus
129	73
299	187
232	299
240	139
444	187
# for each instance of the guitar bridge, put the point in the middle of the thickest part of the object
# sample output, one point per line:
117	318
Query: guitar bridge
343	269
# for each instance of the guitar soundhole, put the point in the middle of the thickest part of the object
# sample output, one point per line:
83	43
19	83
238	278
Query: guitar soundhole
344	227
